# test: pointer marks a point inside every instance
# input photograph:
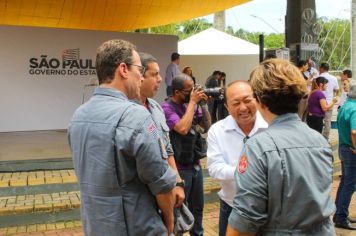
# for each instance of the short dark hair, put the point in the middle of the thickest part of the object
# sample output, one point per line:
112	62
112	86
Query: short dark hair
325	66
348	73
109	55
146	59
178	82
301	63
217	72
317	81
175	56
321	80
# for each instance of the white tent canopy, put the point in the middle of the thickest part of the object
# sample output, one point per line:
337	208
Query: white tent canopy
215	42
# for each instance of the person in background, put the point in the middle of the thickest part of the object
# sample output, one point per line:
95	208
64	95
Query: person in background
284	174
226	139
149	88
302	108
213	81
317	105
188	71
330	93
171	72
345	79
312	71
183	111
117	154
346	122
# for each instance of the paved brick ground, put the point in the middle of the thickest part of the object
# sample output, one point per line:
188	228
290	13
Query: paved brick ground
16	179
39	203
211	218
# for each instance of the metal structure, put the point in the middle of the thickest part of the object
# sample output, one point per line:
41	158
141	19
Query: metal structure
302	30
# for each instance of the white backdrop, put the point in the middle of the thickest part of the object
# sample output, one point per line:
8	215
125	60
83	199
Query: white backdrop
236	67
47	100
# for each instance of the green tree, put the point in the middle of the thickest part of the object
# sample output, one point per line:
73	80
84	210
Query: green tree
334	41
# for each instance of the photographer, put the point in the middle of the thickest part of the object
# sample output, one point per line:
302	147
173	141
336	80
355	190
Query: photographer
183	113
213	81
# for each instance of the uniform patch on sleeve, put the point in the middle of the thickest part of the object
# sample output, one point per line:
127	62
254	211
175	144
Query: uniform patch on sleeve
243	164
152	128
163	148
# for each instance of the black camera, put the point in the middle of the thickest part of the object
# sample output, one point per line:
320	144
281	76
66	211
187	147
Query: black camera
213	92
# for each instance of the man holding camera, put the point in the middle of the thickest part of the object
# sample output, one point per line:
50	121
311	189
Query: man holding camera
184	113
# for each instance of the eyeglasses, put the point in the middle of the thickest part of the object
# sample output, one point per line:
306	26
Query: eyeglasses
186	91
141	69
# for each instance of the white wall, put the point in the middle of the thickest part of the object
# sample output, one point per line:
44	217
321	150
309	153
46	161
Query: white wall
45	102
236	67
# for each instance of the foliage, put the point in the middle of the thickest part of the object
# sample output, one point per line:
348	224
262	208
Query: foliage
183	29
334	37
334	40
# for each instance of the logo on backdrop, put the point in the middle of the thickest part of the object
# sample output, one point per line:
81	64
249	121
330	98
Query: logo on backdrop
69	64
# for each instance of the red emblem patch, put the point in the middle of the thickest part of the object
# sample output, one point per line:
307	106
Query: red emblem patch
151	128
242	165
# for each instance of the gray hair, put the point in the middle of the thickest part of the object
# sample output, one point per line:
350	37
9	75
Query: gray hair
110	55
352	87
146	59
178	82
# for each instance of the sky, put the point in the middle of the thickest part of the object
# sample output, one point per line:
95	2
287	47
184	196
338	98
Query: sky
268	15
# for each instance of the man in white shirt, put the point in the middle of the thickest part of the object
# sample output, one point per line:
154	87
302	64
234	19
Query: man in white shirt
330	92
226	140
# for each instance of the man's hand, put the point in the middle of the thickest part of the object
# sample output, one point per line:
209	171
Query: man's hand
179	196
197	95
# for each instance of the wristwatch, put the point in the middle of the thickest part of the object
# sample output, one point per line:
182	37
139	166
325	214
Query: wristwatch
180	184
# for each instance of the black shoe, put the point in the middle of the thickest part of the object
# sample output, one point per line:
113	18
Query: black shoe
345	225
352	220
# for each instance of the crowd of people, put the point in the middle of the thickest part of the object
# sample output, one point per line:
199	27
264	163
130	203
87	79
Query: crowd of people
138	162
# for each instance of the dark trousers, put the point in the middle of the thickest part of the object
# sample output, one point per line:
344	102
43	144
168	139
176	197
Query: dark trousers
169	91
194	196
213	106
225	211
347	184
315	122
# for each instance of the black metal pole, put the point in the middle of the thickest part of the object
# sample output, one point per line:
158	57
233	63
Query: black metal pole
262	45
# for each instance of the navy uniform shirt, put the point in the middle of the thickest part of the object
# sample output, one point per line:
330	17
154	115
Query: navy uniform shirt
284	181
120	167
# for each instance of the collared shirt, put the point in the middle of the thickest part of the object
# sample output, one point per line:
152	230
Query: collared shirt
346	122
284	181
171	71
158	116
225	143
332	85
119	164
